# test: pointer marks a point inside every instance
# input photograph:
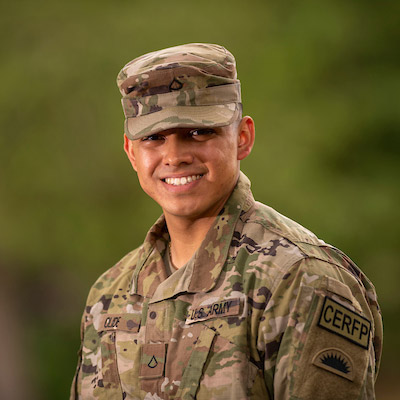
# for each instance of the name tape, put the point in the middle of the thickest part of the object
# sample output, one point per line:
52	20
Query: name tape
123	322
221	308
344	322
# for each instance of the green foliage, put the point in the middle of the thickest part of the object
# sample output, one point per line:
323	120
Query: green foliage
320	79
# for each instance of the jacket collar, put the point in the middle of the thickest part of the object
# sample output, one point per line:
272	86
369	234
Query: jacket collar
201	272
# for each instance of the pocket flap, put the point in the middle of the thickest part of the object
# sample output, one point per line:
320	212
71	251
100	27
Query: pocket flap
336	287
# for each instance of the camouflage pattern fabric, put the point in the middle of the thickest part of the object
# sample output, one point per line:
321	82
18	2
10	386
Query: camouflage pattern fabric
192	85
264	310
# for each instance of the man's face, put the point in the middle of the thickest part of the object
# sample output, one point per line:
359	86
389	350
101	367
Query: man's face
190	173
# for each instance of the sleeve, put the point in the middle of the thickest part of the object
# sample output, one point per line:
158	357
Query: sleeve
321	333
76	382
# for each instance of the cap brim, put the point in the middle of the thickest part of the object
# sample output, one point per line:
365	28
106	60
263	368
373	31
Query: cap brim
180	117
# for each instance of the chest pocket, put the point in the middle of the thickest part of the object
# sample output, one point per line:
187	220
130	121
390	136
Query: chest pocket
193	372
118	345
216	364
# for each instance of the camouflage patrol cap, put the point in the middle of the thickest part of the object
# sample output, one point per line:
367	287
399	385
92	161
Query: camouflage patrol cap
192	85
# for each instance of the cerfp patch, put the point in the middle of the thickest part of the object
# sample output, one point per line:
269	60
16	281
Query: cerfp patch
344	322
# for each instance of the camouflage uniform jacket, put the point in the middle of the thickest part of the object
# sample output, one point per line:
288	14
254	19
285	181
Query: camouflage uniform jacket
264	310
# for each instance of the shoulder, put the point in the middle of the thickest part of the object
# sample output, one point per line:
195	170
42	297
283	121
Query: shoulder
273	221
290	258
270	238
275	240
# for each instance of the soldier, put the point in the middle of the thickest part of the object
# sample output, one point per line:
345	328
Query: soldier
226	298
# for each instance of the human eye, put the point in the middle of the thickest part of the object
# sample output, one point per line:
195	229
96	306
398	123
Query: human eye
151	138
201	133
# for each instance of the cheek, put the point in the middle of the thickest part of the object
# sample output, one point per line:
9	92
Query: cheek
228	156
142	172
225	166
146	183
144	163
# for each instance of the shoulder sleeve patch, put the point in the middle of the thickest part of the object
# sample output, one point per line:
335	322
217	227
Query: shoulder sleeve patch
335	361
344	322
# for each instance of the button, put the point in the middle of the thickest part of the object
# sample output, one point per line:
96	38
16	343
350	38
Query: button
153	315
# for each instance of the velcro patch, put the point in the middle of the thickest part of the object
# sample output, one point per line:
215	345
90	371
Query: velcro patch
152	361
223	308
335	361
344	322
123	322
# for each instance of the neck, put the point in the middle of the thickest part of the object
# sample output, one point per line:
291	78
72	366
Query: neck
186	237
187	234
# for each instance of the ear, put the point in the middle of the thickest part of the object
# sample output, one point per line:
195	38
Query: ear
128	147
246	137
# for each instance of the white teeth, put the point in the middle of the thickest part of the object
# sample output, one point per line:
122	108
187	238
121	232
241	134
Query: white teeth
182	181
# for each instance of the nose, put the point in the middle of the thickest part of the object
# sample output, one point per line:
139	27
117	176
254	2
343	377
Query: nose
176	151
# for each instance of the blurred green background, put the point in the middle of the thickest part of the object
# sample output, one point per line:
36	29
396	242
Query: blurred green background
321	80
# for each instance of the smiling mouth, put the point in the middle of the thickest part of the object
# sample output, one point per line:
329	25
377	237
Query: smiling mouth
182	181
